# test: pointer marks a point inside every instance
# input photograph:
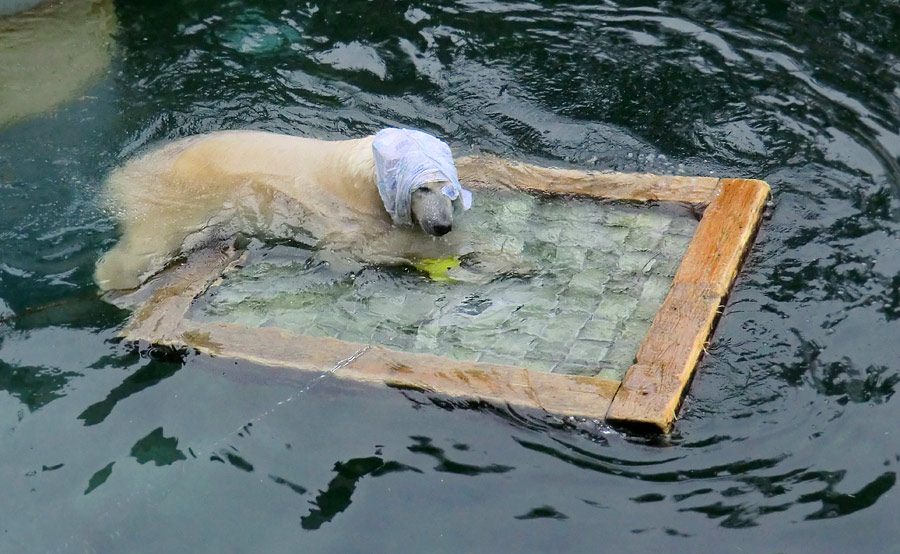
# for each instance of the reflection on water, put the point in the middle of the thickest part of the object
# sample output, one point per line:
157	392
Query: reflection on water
337	496
788	433
157	448
139	379
423	445
34	386
543	512
99	477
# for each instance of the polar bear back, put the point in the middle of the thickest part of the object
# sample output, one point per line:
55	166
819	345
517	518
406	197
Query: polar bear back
190	187
302	168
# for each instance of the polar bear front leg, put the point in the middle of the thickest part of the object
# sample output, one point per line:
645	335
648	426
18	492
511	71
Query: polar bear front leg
119	269
144	249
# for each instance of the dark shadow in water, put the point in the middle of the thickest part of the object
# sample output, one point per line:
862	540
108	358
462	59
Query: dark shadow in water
650	497
120	360
531	419
835	504
157	448
165	363
543	512
423	446
337	497
874	384
80	311
743	480
741	514
231	457
291	485
738	515
99	478
841	379
34	386
613	466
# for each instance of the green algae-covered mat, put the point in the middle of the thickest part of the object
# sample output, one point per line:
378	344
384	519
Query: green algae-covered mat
598	271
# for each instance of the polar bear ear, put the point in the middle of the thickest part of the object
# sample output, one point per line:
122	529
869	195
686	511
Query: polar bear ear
454	191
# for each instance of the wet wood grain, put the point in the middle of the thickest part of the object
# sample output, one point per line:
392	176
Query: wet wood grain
485	171
561	394
653	387
158	318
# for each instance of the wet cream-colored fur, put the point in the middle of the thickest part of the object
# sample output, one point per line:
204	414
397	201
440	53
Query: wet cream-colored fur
181	194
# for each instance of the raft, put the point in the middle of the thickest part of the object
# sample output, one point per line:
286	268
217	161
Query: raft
624	381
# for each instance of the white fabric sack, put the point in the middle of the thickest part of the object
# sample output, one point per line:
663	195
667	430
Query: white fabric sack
406	160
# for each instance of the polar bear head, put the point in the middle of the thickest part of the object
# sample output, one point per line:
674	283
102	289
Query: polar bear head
417	179
431	209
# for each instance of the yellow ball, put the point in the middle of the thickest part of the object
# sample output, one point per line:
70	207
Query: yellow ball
438	268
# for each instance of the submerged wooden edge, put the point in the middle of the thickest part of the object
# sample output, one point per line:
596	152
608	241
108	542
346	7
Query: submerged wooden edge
588	397
652	388
157	319
486	171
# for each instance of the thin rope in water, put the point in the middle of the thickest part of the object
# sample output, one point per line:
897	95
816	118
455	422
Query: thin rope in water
74	539
313	382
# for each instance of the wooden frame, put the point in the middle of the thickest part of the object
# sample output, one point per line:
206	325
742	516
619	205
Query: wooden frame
649	394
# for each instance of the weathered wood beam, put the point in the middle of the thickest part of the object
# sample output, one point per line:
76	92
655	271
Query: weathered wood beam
555	393
653	387
484	171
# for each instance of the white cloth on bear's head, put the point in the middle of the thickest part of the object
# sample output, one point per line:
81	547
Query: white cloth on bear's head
406	160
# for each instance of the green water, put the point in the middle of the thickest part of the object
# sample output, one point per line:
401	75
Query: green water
787	441
590	276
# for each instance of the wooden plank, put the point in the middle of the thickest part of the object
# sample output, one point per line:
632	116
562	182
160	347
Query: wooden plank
484	171
573	395
157	319
561	394
555	393
714	255
653	387
266	345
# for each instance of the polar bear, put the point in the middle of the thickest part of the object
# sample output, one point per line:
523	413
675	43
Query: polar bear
340	193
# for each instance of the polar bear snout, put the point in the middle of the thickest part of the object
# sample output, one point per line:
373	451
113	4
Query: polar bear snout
432	210
441	229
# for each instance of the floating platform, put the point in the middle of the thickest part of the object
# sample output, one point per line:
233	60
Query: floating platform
625	381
